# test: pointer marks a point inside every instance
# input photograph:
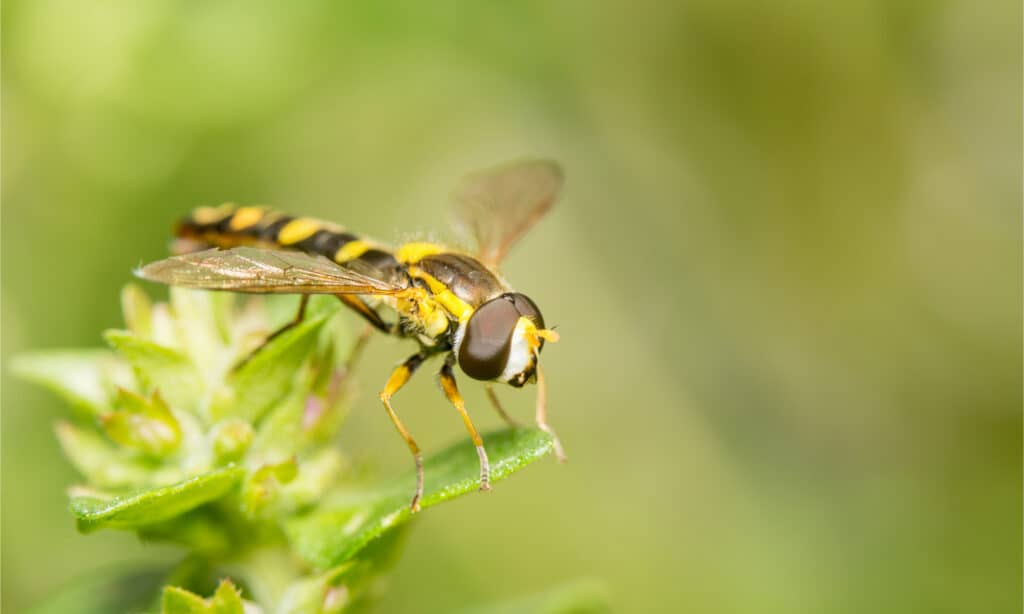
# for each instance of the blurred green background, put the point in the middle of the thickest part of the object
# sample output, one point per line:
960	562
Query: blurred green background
786	272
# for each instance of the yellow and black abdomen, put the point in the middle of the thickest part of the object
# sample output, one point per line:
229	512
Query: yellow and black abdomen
231	226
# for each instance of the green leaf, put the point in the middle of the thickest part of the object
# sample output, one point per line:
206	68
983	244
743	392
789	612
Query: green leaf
325	411
328	537
316	475
200	531
263	486
319	594
111	588
180	601
346	587
269	374
280	433
98	461
226	600
196	326
160	367
145	424
155	505
82	377
280	309
137	310
579	597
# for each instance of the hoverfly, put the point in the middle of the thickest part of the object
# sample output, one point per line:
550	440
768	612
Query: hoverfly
449	302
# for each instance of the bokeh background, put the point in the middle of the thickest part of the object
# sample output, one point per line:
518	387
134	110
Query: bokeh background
786	272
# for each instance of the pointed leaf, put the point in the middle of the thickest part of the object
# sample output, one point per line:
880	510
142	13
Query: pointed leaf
333	535
346	587
315	595
269	373
280	433
159	367
155	505
196	326
145	424
180	601
280	309
226	600
82	377
137	310
98	461
263	487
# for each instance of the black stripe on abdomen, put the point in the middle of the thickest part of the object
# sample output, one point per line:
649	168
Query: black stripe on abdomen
379	258
272	230
325	242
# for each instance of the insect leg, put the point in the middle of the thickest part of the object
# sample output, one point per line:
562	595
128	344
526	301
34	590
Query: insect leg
542	415
493	397
398	379
299	316
451	391
368	314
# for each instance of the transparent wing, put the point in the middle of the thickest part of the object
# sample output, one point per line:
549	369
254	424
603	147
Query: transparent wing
497	206
267	271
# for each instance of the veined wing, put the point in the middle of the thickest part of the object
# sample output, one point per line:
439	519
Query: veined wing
498	206
267	271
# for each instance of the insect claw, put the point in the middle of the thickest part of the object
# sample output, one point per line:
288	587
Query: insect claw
485	468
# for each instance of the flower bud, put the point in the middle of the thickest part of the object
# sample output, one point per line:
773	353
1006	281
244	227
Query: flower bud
144	424
231	440
264	485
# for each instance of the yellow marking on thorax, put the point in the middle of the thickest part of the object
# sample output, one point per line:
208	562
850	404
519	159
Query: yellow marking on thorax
246	217
297	230
451	303
351	251
424	309
435	322
411	253
209	215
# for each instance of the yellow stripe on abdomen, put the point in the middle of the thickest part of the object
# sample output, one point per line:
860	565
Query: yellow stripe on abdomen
297	230
351	250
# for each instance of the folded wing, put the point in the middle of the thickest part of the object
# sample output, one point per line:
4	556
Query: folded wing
267	271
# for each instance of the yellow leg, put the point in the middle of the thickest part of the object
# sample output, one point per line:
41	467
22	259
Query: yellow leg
493	397
452	392
368	314
542	415
398	379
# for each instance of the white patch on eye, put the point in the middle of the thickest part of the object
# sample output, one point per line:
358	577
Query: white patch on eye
520	354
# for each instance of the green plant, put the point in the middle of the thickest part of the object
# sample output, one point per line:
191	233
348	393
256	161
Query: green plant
181	440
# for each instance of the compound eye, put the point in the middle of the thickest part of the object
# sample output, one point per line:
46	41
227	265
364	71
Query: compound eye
527	308
488	340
